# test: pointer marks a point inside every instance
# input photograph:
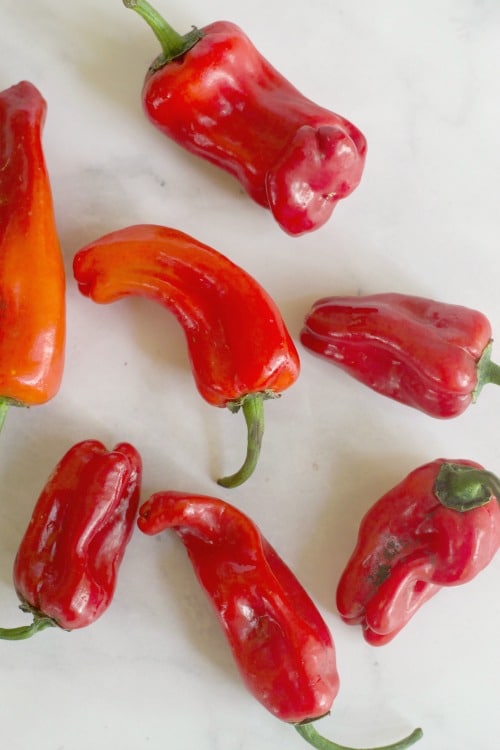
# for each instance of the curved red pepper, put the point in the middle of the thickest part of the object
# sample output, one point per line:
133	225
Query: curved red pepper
439	527
279	641
240	350
66	566
430	355
214	94
32	277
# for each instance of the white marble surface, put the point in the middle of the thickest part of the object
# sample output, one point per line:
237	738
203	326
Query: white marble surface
421	81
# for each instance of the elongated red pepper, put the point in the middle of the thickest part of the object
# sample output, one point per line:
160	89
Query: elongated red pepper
32	279
240	350
439	527
66	566
279	641
214	94
430	355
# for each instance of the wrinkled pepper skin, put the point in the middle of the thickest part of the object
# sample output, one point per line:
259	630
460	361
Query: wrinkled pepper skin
32	278
66	567
239	347
430	355
409	546
279	641
224	102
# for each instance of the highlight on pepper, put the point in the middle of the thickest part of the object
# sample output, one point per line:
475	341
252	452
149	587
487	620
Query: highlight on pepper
290	155
66	566
240	350
280	643
439	527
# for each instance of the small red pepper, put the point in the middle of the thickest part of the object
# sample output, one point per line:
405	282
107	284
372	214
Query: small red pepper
214	94
430	355
279	641
32	278
240	350
66	566
439	527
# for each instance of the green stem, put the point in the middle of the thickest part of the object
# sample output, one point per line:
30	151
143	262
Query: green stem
309	733
172	43
253	411
4	408
487	372
26	631
464	488
492	373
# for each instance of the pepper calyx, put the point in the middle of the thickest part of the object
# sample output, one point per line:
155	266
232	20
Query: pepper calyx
463	488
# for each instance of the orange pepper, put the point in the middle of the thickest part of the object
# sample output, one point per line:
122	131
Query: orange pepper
32	278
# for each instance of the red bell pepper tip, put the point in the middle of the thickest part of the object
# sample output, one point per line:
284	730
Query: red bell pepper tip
253	411
84	286
320	166
172	43
463	488
308	731
401	591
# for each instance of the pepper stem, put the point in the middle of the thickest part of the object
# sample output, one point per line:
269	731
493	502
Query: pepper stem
26	631
4	408
311	735
487	372
172	43
464	488
253	411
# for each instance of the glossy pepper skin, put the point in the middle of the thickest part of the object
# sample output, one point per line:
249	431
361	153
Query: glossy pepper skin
32	279
423	534
66	567
214	94
280	643
240	350
430	355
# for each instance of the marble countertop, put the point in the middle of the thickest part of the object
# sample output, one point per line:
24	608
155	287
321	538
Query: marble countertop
421	81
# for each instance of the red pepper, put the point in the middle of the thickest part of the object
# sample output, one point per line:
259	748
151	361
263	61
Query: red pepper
439	527
32	279
240	350
279	641
426	354
214	94
66	566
